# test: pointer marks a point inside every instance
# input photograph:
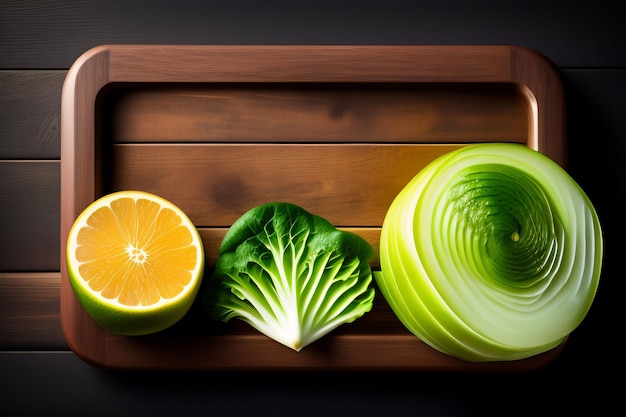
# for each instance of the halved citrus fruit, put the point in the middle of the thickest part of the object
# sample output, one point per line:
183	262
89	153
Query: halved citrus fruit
135	262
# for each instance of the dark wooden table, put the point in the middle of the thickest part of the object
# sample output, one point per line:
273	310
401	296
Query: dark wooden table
39	41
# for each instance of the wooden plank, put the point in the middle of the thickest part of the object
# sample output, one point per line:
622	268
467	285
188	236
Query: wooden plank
328	64
350	185
316	113
53	33
30	114
29	215
30	311
337	352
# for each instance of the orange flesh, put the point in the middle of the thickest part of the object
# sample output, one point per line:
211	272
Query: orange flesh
136	252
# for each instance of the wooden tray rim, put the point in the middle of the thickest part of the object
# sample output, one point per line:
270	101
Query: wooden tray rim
107	64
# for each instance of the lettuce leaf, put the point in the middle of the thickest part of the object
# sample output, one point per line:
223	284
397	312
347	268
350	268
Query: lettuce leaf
290	274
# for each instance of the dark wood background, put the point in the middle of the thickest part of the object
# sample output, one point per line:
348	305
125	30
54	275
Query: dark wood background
39	40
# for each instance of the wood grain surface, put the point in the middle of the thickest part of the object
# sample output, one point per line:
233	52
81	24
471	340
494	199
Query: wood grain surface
30	114
29	215
279	113
30	312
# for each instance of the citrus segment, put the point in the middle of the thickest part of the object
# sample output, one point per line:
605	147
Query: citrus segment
135	262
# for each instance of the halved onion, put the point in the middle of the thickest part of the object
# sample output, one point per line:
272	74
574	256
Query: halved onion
492	252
